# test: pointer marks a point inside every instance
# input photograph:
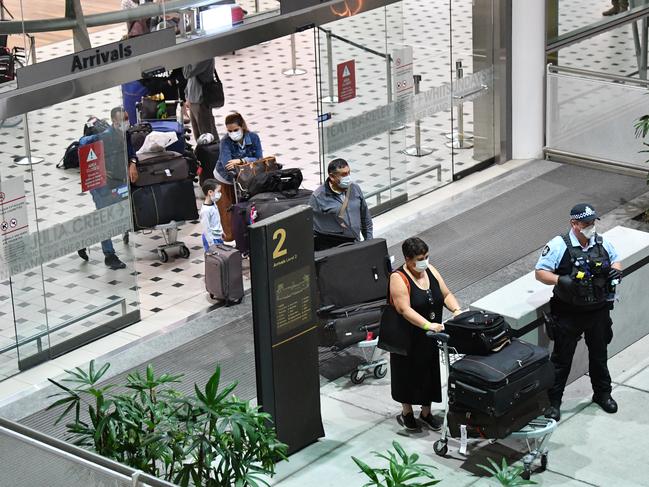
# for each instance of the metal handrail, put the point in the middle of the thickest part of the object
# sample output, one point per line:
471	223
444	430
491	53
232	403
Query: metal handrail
399	182
106	18
39	336
597	28
76	455
598	160
597	75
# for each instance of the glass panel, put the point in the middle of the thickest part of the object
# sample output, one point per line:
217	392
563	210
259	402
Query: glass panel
564	16
473	95
354	49
60	300
595	118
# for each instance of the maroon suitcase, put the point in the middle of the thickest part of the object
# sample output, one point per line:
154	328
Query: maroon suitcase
223	274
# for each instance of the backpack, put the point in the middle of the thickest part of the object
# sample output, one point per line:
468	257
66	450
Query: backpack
95	126
71	157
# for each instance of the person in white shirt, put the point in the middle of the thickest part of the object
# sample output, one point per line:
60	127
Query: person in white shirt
210	219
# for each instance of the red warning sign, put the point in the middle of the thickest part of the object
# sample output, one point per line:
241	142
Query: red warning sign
346	81
92	166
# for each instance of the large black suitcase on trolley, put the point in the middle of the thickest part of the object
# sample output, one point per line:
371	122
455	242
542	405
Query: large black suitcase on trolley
207	155
481	425
341	327
353	273
162	203
269	204
477	332
494	383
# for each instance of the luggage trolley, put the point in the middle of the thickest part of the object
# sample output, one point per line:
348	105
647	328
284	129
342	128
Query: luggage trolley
538	430
371	365
169	233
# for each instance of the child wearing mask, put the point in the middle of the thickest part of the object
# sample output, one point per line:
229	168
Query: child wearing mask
210	219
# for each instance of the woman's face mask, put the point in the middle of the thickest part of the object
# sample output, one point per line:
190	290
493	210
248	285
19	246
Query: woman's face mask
237	135
421	265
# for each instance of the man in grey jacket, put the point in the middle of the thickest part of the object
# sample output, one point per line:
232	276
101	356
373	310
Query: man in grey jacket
200	114
340	212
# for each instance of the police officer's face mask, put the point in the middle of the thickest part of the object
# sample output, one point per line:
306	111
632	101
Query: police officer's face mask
588	232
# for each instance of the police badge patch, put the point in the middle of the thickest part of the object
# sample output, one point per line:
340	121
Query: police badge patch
546	249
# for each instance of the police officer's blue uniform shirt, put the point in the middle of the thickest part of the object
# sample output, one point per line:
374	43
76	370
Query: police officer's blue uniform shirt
553	252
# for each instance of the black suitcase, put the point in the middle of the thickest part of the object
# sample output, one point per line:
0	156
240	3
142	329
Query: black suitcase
208	156
161	167
341	327
477	332
162	203
280	181
240	221
481	425
269	204
224	274
494	383
353	273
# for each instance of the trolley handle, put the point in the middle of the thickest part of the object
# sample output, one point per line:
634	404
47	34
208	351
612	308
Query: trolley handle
440	337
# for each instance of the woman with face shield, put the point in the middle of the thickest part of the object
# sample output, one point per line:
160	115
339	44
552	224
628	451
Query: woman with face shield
419	294
238	146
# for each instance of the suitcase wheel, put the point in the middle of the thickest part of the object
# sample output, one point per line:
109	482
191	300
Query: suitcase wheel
163	256
527	473
380	371
544	461
440	447
184	252
357	377
233	302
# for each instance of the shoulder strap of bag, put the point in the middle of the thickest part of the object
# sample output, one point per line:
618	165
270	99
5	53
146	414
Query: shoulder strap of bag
406	282
343	208
574	255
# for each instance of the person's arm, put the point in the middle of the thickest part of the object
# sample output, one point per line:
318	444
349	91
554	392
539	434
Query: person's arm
367	226
450	301
401	302
225	155
256	142
198	69
546	277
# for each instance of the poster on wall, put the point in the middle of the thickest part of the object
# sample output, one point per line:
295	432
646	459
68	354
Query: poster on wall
92	166
346	81
13	220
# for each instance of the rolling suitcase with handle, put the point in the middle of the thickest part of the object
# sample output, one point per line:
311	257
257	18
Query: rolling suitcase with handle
162	203
341	327
161	167
477	332
223	274
494	383
353	273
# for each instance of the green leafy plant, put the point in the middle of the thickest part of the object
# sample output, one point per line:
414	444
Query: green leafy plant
507	475
641	130
402	470
209	439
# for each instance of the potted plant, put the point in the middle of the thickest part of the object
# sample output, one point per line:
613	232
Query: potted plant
210	438
506	475
641	131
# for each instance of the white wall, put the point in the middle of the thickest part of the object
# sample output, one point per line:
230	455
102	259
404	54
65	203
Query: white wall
528	78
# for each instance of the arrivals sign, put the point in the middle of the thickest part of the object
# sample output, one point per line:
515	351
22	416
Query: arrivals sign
95	58
92	166
346	81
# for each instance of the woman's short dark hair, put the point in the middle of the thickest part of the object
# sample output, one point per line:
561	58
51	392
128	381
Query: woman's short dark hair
413	247
335	165
237	119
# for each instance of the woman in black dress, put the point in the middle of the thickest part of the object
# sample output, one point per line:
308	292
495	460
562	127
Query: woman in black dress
418	293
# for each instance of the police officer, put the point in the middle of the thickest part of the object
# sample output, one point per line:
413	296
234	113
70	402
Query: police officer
584	270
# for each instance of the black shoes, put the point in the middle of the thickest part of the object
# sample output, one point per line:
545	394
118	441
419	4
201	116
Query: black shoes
606	402
431	421
408	421
113	262
83	253
554	412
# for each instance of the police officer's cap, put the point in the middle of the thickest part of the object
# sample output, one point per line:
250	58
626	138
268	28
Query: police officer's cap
583	212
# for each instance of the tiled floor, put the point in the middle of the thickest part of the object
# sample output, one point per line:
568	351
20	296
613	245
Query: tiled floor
283	110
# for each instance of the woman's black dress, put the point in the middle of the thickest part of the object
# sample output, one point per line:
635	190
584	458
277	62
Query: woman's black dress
415	377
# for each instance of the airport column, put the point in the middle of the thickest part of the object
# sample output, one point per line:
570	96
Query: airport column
285	324
528	78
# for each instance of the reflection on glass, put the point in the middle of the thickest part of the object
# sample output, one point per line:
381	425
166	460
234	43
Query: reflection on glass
565	16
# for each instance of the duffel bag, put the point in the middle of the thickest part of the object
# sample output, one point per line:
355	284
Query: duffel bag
162	203
477	332
281	181
161	167
245	173
269	204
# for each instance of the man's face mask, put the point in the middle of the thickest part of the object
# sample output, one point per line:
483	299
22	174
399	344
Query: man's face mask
588	232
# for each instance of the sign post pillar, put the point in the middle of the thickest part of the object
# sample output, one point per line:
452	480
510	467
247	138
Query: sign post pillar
285	325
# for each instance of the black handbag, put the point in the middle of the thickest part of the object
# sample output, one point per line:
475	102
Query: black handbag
395	332
213	95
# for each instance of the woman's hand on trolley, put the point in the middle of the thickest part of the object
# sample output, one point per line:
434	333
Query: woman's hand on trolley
436	327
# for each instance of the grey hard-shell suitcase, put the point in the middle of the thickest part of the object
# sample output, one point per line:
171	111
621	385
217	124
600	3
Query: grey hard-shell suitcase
223	274
161	167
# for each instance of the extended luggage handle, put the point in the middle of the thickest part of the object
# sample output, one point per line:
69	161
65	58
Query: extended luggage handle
440	337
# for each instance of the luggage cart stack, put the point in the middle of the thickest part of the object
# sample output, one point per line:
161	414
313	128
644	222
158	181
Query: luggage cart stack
464	414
